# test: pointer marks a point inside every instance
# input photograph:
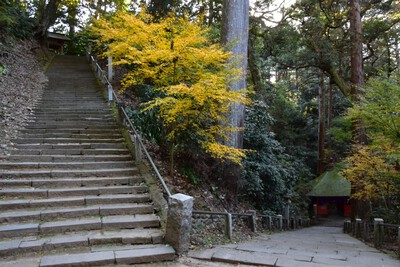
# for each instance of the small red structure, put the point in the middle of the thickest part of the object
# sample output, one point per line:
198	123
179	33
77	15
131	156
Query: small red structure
331	193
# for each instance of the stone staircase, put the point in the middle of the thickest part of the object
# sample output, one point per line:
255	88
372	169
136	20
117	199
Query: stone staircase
70	193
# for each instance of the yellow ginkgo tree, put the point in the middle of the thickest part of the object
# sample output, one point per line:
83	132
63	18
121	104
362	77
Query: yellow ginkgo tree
190	73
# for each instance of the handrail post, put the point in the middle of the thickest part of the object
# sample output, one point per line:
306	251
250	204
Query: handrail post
138	150
110	92
110	68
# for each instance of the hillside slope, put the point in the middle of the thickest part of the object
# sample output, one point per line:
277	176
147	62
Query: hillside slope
21	85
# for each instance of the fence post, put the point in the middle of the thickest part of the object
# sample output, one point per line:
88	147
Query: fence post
346	226
315	211
228	226
280	219
253	220
377	232
398	241
270	222
366	229
357	228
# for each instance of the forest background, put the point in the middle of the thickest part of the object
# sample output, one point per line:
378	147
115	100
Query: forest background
324	81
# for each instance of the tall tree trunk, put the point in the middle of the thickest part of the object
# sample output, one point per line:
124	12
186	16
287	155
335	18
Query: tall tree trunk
330	104
98	9
357	72
235	33
254	71
321	124
71	19
357	80
397	56
210	12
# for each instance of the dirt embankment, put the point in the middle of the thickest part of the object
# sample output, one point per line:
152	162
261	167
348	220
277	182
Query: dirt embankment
21	86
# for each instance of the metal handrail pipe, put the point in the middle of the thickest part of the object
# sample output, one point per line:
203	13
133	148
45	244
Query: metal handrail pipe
142	146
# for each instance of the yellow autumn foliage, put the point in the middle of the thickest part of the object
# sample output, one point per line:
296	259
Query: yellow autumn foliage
371	176
191	74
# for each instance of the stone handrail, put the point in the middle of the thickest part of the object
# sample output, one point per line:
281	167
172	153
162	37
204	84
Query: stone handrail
139	146
252	217
376	232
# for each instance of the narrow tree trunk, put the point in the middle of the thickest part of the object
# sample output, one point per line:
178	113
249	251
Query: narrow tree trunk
397	56
98	9
254	72
330	104
210	12
321	124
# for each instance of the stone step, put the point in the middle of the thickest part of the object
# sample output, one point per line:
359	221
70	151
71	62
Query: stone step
71	145
67	158
65	165
73	201
70	182
69	173
42	214
71	127
81	112
69	100
71	131
76	152
68	140
71	117
81	224
107	257
95	239
77	109
45	115
70	192
72	135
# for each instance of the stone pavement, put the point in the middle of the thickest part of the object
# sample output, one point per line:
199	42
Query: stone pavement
313	246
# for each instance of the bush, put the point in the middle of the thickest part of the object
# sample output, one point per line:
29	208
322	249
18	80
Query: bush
14	20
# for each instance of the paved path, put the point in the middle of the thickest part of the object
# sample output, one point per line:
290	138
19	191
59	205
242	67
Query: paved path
313	246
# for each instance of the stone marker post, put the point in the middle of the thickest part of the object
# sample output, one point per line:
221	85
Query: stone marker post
179	222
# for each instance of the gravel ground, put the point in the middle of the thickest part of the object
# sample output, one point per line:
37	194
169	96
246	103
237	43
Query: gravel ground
21	85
